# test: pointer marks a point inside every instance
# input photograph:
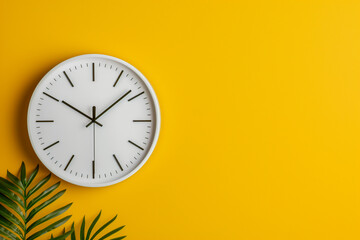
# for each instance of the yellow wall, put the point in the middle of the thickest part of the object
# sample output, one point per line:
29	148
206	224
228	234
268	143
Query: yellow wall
260	105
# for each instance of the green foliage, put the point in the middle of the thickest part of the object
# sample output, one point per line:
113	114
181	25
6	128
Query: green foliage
19	208
88	235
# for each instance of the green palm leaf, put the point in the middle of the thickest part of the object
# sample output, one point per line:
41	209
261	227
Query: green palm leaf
15	193
49	228
64	235
49	216
10	225
11	217
38	186
6	233
111	233
82	230
92	225
15	180
103	227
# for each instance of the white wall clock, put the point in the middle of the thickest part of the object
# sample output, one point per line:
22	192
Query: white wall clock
93	120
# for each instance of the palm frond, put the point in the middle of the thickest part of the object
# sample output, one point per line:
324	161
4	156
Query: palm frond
88	235
18	212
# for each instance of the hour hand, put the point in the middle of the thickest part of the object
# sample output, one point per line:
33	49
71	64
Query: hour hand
85	115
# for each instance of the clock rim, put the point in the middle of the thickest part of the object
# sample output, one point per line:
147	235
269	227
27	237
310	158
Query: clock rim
157	115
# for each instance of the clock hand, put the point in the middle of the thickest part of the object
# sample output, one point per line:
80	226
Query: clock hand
77	110
94	120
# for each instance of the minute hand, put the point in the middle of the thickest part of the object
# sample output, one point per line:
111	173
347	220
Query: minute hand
77	110
94	120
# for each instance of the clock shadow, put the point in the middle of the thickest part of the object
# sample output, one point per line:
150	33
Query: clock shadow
21	115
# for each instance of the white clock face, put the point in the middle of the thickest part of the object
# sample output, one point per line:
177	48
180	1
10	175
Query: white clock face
93	120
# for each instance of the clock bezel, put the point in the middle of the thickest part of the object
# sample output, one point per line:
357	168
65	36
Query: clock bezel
156	109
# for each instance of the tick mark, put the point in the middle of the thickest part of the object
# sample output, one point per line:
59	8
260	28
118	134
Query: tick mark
67	77
46	94
93	71
117	162
51	145
93	169
118	78
135	145
69	162
135	96
141	120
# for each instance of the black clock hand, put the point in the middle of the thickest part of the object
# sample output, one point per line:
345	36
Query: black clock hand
77	110
94	120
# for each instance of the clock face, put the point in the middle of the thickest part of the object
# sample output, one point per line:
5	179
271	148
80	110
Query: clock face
93	120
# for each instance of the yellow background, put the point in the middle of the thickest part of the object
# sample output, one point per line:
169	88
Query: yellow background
260	105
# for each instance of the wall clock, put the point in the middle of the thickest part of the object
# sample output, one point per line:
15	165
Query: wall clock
93	120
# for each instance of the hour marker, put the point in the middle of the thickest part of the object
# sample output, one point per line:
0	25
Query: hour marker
135	96
51	145
69	162
50	96
118	78
93	169
135	145
67	77
42	121
93	71
141	120
117	162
